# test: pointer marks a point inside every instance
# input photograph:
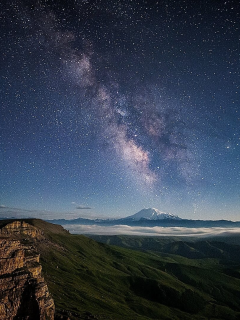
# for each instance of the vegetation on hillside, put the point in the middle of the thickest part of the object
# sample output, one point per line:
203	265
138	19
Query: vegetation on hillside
91	280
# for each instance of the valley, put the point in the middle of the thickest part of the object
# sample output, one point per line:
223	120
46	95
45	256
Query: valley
143	279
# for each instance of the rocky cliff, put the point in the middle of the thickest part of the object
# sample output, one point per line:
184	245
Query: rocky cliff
23	291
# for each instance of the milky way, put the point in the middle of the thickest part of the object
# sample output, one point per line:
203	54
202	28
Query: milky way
121	105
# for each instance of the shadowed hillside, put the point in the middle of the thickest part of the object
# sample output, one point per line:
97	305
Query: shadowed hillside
91	280
223	248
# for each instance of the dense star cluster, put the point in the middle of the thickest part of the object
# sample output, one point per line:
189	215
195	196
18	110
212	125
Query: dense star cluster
122	105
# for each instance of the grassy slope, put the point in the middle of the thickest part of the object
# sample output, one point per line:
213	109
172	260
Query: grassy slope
117	283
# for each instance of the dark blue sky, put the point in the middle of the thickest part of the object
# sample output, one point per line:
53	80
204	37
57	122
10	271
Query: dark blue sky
119	106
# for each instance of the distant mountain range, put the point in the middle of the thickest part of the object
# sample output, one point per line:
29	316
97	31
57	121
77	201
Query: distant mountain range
149	218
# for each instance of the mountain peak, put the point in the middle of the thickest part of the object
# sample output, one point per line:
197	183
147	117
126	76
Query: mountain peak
153	214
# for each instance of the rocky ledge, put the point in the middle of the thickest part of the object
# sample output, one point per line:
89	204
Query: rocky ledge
23	291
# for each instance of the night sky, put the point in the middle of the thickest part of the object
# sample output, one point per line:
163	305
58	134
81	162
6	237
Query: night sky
107	107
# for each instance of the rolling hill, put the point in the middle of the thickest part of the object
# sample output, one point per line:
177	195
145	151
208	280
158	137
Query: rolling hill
92	280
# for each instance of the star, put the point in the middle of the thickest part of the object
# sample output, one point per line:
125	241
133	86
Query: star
119	105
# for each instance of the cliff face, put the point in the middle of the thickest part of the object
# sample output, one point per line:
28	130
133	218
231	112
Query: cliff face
21	228
23	291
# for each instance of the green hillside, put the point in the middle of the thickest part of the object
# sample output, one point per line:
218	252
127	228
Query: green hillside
91	280
223	248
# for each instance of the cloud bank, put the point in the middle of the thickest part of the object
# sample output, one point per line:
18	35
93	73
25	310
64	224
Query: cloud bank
150	231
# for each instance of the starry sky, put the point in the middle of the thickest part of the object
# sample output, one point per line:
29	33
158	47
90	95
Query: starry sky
107	107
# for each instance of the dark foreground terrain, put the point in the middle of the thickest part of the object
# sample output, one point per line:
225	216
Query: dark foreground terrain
165	278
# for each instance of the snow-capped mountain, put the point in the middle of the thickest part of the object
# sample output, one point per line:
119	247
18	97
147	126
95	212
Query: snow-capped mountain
152	214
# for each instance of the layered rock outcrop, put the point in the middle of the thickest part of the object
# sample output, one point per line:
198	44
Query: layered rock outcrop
21	228
23	292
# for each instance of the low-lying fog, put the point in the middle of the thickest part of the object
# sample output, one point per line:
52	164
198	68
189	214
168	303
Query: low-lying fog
149	231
